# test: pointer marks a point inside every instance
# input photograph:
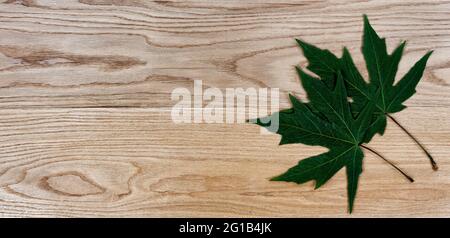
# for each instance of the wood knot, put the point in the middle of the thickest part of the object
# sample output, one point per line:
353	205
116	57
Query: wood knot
70	184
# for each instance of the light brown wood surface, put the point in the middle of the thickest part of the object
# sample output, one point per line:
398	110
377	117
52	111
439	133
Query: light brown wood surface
85	127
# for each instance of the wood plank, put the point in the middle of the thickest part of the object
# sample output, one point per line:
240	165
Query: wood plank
135	162
101	53
85	127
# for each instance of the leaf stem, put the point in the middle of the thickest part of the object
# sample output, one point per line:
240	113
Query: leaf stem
389	162
433	163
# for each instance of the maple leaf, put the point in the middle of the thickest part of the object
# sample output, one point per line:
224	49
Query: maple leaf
339	131
330	120
382	68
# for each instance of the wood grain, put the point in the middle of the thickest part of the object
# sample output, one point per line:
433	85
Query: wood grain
85	126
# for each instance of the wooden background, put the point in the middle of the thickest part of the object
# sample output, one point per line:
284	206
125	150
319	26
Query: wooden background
85	126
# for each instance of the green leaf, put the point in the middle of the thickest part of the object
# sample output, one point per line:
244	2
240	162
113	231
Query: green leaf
331	121
340	132
382	68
